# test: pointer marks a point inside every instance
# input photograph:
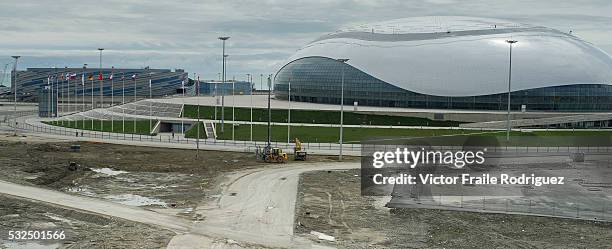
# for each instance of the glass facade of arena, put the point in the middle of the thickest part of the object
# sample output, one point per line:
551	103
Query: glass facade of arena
163	82
318	80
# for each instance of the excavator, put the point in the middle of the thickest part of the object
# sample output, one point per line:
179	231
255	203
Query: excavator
299	153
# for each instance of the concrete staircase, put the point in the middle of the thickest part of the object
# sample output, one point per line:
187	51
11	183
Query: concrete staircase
209	127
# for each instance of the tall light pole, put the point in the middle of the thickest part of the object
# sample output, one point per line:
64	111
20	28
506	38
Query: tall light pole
508	128
233	106
289	114
269	146
16	57
198	115
249	79
223	38
343	61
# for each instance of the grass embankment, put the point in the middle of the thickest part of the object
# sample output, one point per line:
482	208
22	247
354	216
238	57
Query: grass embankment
311	134
193	131
141	126
313	117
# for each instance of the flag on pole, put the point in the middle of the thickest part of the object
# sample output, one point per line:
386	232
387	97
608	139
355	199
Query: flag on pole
110	77
100	77
149	83
48	79
73	76
133	76
67	76
82	79
90	77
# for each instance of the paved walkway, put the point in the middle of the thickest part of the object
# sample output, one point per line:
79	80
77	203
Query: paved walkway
97	206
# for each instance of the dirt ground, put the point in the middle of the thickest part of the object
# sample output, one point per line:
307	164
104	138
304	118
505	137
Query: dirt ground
330	203
141	176
169	181
82	230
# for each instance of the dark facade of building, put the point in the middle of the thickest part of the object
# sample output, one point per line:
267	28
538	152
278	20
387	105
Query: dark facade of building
78	82
212	88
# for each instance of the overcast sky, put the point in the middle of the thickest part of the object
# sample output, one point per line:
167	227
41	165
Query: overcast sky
183	33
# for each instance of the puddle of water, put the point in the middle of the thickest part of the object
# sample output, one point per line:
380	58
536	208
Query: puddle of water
30	245
109	172
135	200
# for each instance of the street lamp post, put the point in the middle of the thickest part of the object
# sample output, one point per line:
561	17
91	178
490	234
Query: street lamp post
508	126
269	146
198	115
289	113
223	38
233	106
249	79
16	57
343	61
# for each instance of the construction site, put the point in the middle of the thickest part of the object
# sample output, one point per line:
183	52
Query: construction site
272	124
155	172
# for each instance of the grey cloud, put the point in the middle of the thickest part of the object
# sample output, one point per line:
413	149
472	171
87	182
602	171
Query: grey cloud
184	33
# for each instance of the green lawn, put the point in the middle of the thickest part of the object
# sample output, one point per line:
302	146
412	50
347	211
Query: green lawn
313	117
142	126
193	132
321	134
355	135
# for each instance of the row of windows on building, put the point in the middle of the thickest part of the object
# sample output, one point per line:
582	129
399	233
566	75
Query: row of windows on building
318	80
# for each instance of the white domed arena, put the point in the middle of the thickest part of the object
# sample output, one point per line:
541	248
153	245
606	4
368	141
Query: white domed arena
450	63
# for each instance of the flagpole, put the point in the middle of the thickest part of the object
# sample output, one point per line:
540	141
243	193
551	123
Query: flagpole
112	97
76	99
150	104
67	91
61	93
49	95
134	78
183	100
83	93
92	101
123	104
53	93
101	79
57	97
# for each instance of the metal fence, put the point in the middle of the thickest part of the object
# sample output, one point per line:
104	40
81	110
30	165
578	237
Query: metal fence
247	146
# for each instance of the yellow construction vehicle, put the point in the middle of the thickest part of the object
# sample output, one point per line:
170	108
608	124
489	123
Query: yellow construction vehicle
272	155
299	153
